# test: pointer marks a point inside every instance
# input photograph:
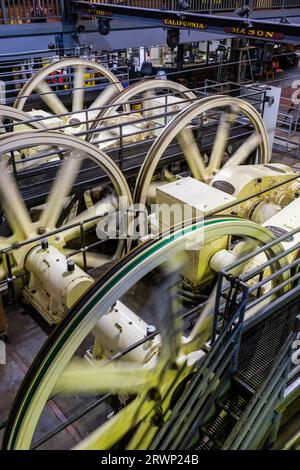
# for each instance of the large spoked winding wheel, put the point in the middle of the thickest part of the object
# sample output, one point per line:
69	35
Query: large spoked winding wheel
151	376
62	194
80	72
215	120
157	102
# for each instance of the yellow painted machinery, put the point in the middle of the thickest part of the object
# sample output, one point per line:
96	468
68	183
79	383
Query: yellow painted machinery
135	347
62	208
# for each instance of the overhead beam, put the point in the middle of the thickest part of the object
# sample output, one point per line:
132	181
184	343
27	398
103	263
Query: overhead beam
233	26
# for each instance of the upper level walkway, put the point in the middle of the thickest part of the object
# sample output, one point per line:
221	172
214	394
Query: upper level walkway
37	11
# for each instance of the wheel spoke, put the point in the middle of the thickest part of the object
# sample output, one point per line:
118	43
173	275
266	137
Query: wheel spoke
62	186
244	151
50	98
80	377
105	206
202	329
45	73
3	273
117	427
148	103
192	153
104	97
13	205
221	140
78	89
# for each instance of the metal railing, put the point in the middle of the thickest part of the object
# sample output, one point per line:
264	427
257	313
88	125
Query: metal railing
31	11
204	5
207	385
24	70
119	135
291	107
192	410
265	4
14	74
261	418
37	11
258	418
286	137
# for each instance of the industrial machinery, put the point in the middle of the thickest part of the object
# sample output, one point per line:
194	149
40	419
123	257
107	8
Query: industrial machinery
23	149
207	275
12	115
150	392
39	240
44	88
41	84
112	330
202	166
155	109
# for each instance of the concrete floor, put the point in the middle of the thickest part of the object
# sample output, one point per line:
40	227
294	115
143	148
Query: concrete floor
25	338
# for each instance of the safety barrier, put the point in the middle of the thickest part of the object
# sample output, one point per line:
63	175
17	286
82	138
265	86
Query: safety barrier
31	11
38	11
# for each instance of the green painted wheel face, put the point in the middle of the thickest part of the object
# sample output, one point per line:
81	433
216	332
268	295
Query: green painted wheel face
64	342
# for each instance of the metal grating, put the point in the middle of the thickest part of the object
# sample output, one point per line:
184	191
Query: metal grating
216	431
260	348
234	404
293	379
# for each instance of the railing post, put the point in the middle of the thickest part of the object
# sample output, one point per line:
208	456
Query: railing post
278	414
4	15
65	10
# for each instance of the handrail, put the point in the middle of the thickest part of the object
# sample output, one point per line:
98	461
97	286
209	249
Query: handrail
31	11
204	5
37	11
260	410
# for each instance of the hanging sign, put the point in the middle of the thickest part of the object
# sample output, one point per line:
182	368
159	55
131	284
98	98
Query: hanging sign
184	24
94	10
98	12
256	33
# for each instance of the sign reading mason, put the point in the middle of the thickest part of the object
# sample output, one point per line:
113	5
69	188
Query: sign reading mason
187	24
257	33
